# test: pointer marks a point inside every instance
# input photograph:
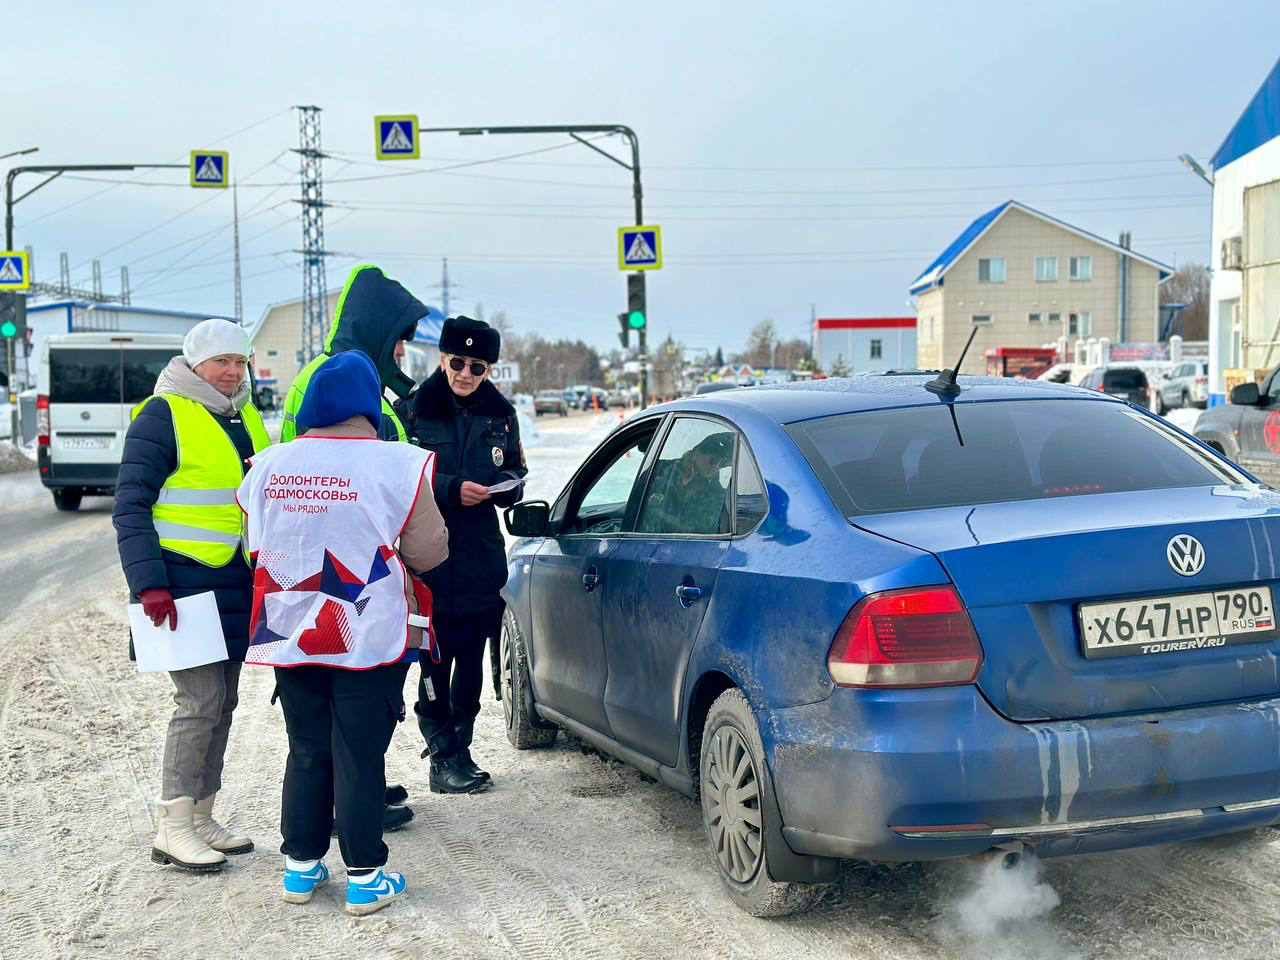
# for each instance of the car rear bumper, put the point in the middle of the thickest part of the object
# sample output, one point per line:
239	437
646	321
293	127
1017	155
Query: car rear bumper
929	774
96	478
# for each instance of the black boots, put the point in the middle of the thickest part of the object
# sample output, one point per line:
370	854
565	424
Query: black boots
465	729
448	775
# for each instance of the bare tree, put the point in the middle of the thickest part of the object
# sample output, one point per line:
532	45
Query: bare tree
761	344
1190	285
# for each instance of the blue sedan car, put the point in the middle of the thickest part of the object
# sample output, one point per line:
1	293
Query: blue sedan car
857	619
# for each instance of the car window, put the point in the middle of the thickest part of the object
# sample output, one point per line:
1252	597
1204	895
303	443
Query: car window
751	501
911	459
140	370
604	503
1125	380
688	491
84	375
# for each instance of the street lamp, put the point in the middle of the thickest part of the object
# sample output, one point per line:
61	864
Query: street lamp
1189	162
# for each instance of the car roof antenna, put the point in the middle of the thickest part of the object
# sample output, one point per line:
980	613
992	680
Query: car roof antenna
944	383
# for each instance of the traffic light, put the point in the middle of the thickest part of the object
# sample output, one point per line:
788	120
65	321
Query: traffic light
13	316
636	318
624	331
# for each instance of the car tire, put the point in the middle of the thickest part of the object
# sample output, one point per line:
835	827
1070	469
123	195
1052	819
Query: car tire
728	736
524	728
1186	399
67	500
1158	407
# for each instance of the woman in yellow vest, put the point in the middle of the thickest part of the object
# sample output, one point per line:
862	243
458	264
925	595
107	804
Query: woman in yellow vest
178	531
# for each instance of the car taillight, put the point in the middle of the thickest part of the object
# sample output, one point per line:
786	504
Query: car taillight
42	420
920	637
1200	381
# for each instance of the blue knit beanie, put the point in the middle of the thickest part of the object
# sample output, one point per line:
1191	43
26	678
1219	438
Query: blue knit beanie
344	385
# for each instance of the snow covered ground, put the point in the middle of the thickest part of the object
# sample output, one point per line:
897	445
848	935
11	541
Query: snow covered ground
569	855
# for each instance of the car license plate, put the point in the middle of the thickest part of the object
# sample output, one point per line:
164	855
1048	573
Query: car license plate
1189	621
85	443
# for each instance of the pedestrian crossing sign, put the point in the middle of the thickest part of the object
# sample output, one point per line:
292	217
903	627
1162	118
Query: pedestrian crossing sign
210	168
639	248
15	273
396	137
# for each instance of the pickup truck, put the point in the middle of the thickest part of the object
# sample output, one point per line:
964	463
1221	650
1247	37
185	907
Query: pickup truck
1247	428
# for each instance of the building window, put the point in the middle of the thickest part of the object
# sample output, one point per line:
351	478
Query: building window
991	270
1080	324
1033	318
1046	268
273	353
876	349
978	318
1055	319
1082	268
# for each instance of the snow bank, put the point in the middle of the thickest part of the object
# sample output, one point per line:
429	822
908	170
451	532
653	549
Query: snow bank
13	460
1184	418
530	436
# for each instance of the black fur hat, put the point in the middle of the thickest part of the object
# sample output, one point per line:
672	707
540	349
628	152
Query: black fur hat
464	337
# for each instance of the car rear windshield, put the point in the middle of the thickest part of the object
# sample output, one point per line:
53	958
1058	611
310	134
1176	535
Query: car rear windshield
1126	380
104	375
912	458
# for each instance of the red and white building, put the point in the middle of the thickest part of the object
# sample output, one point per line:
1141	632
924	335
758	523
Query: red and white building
864	344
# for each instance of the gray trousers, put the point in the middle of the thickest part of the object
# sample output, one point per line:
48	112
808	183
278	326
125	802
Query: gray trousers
204	699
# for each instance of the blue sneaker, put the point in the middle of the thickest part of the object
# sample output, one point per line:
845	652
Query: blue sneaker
374	893
300	885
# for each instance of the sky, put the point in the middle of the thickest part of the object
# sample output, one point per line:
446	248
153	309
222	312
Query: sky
799	156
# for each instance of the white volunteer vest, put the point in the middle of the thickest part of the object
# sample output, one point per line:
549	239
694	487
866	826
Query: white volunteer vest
323	518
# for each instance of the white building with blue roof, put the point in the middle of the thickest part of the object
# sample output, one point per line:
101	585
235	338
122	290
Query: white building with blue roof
1024	278
1244	295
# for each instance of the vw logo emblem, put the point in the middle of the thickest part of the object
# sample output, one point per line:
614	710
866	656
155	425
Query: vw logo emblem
1186	555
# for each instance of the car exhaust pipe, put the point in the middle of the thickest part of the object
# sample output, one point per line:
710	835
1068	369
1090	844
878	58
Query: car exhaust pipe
1009	855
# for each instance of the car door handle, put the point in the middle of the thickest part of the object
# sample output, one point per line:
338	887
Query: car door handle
687	593
590	579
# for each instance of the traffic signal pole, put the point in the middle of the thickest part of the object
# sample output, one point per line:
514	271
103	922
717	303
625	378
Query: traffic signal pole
575	130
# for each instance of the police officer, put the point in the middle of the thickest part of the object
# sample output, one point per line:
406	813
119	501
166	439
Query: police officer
472	428
178	531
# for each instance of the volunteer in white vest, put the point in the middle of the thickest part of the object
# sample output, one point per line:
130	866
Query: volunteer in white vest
337	524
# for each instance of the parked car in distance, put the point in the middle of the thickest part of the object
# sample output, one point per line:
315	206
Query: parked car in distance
550	401
1186	385
856	620
619	398
714	386
87	386
1127	383
1247	428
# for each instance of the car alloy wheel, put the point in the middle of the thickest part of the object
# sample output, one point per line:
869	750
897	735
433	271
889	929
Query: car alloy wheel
731	798
506	656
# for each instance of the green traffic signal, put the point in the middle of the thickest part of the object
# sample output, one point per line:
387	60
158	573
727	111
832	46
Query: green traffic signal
9	329
636	319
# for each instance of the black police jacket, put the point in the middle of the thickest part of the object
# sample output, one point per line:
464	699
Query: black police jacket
477	441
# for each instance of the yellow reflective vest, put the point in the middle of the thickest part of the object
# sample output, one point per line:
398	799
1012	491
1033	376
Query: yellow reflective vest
196	514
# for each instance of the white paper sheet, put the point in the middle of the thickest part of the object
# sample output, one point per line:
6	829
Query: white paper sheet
197	640
506	485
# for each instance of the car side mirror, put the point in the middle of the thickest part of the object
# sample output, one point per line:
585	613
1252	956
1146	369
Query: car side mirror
529	519
1245	395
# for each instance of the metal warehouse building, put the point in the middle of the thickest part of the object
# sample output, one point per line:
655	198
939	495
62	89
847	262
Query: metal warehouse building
864	344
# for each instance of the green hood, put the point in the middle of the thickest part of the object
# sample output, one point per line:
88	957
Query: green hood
373	313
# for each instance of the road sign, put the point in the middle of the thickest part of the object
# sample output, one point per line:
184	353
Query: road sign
639	248
396	137
506	372
14	270
210	168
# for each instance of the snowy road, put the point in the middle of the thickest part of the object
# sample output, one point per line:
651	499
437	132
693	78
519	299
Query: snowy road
569	855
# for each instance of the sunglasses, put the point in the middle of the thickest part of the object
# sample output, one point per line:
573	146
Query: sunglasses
477	368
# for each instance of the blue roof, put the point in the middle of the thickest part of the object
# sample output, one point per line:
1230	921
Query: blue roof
932	275
804	400
118	308
1259	123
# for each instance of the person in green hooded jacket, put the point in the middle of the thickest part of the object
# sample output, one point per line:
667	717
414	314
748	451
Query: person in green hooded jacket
375	315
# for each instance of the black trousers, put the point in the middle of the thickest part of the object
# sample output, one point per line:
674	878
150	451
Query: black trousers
339	724
452	699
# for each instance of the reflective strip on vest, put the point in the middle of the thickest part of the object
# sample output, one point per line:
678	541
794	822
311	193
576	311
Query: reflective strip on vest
195	514
181	531
197	498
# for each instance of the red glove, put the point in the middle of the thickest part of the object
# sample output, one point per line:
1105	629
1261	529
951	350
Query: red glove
157	604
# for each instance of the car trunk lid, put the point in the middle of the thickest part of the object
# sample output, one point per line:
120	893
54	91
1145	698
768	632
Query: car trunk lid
1024	568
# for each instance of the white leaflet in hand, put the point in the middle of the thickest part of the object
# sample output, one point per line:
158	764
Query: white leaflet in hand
197	640
506	485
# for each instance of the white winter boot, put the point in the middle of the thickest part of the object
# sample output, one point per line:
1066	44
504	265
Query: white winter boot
215	834
177	841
